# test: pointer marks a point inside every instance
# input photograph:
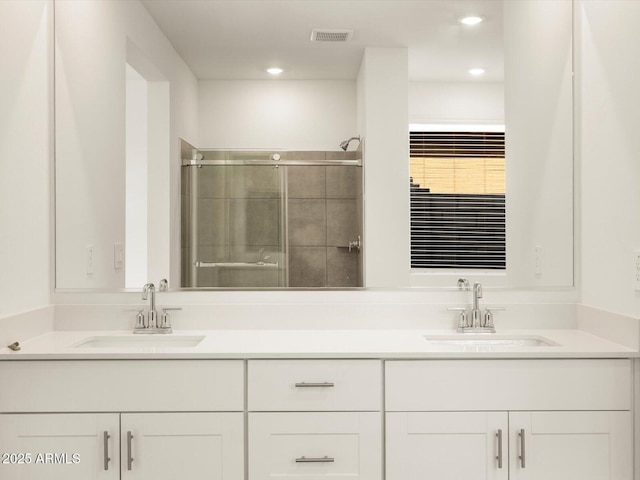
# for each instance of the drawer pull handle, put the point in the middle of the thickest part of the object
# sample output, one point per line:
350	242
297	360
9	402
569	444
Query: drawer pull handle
314	385
324	459
129	457
522	445
106	437
499	456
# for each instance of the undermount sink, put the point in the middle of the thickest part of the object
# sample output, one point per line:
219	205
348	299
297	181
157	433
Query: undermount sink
490	340
140	341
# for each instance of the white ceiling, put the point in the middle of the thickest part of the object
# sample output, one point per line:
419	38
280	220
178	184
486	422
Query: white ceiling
238	39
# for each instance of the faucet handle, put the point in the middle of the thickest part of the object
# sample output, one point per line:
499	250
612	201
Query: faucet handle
165	319
488	315
494	309
163	286
140	323
462	318
140	319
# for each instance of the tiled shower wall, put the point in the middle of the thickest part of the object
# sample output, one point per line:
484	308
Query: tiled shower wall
324	215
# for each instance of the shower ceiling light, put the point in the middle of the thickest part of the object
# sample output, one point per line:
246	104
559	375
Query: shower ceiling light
476	71
471	20
275	70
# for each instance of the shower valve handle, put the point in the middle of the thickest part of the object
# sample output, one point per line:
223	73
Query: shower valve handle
357	244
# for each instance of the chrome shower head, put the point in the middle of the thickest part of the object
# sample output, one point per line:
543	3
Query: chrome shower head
344	145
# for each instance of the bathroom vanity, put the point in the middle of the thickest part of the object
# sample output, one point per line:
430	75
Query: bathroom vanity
356	404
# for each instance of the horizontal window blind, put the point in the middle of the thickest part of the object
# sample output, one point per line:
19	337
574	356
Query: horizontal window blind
457	200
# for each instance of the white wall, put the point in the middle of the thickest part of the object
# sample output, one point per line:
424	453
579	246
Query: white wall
93	44
382	116
610	158
137	164
276	114
539	142
25	161
456	102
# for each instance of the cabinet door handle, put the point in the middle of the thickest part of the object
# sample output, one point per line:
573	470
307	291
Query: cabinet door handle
499	456
522	448
106	437
314	385
324	459
129	457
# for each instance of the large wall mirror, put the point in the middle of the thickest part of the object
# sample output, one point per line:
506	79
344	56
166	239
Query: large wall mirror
169	130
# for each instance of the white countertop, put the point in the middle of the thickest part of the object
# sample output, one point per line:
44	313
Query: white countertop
248	344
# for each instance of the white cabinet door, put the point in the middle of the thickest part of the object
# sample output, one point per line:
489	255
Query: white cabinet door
315	446
59	447
182	446
447	446
571	446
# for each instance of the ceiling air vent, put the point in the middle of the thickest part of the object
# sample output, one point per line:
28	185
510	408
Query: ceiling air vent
325	35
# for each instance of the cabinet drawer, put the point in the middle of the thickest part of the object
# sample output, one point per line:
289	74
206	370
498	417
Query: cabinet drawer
340	445
315	385
121	386
440	385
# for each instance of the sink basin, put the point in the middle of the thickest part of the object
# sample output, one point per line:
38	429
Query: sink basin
140	341
490	340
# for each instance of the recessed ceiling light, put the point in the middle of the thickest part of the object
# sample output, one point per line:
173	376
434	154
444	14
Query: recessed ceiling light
476	71
471	20
275	70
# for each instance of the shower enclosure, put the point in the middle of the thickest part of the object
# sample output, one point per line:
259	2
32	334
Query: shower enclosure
271	219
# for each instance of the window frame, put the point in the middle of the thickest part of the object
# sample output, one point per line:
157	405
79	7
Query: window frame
448	277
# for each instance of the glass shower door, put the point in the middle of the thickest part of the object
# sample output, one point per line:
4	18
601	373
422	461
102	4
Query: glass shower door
233	226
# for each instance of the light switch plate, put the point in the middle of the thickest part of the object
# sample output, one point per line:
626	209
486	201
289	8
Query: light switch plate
91	253
538	261
118	256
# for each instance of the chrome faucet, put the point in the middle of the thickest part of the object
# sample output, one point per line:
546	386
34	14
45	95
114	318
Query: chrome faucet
477	323
150	324
476	314
149	290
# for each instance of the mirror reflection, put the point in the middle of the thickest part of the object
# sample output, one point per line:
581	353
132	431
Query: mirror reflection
271	219
144	87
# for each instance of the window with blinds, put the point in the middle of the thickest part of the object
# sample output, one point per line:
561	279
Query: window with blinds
457	200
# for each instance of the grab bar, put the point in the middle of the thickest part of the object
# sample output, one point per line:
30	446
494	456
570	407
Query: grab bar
236	264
